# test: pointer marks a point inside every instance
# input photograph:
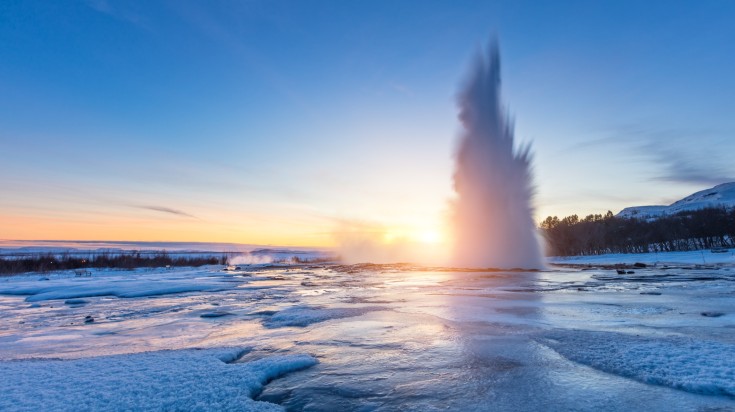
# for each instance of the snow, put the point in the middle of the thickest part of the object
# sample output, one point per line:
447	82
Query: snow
643	212
238	253
304	316
193	380
387	337
119	286
693	365
693	257
722	195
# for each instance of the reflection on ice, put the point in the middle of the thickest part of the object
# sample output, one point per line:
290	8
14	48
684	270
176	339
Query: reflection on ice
396	337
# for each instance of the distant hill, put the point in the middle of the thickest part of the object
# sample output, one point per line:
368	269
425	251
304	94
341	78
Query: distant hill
720	196
701	221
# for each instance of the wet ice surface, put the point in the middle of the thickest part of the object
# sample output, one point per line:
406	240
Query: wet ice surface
406	338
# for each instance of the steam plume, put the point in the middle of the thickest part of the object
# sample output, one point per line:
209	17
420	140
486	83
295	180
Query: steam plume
493	219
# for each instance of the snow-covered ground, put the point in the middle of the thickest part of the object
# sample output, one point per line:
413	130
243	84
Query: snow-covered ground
695	257
165	380
237	253
371	338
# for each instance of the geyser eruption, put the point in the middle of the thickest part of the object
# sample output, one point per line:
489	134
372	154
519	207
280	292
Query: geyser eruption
493	219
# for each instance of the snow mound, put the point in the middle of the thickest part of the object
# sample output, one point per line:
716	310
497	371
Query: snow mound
719	196
122	288
305	315
698	366
192	380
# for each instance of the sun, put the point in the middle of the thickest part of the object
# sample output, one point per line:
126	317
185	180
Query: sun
429	236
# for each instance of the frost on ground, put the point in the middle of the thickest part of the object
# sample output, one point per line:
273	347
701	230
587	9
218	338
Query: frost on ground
692	257
387	338
304	316
120	288
123	284
698	366
192	380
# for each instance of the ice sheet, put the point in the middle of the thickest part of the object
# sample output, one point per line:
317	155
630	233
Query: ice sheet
694	365
306	315
397	337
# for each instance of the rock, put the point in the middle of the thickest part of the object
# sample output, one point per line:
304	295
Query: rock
639	265
630	272
651	293
215	314
88	319
620	271
264	313
712	314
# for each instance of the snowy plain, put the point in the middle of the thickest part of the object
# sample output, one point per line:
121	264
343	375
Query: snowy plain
694	257
373	338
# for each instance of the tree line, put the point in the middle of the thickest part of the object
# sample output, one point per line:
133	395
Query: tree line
125	260
601	234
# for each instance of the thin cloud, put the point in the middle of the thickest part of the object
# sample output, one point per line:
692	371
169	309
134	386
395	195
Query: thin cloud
679	169
690	156
120	13
169	210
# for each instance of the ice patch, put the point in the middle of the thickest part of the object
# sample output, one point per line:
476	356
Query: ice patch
71	289
698	366
167	380
304	315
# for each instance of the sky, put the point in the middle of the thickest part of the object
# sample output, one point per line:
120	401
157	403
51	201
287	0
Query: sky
293	123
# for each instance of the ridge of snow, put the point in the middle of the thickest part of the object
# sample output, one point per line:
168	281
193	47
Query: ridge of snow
722	195
686	363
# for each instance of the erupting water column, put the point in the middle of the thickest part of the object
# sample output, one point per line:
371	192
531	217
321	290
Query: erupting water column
493	214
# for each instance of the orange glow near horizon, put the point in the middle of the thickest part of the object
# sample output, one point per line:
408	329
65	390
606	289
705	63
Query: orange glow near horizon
261	230
118	229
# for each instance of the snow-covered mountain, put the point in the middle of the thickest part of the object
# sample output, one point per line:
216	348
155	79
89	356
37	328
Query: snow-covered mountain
719	196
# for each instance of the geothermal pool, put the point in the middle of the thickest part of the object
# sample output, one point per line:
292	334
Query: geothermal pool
370	338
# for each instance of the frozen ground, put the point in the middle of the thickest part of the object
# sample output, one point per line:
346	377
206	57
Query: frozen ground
237	253
164	380
370	338
695	257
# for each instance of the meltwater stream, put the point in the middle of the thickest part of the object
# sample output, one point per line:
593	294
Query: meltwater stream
390	337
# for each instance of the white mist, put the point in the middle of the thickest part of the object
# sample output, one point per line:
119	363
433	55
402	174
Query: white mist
493	213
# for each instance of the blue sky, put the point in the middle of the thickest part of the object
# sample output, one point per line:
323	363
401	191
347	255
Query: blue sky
277	122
